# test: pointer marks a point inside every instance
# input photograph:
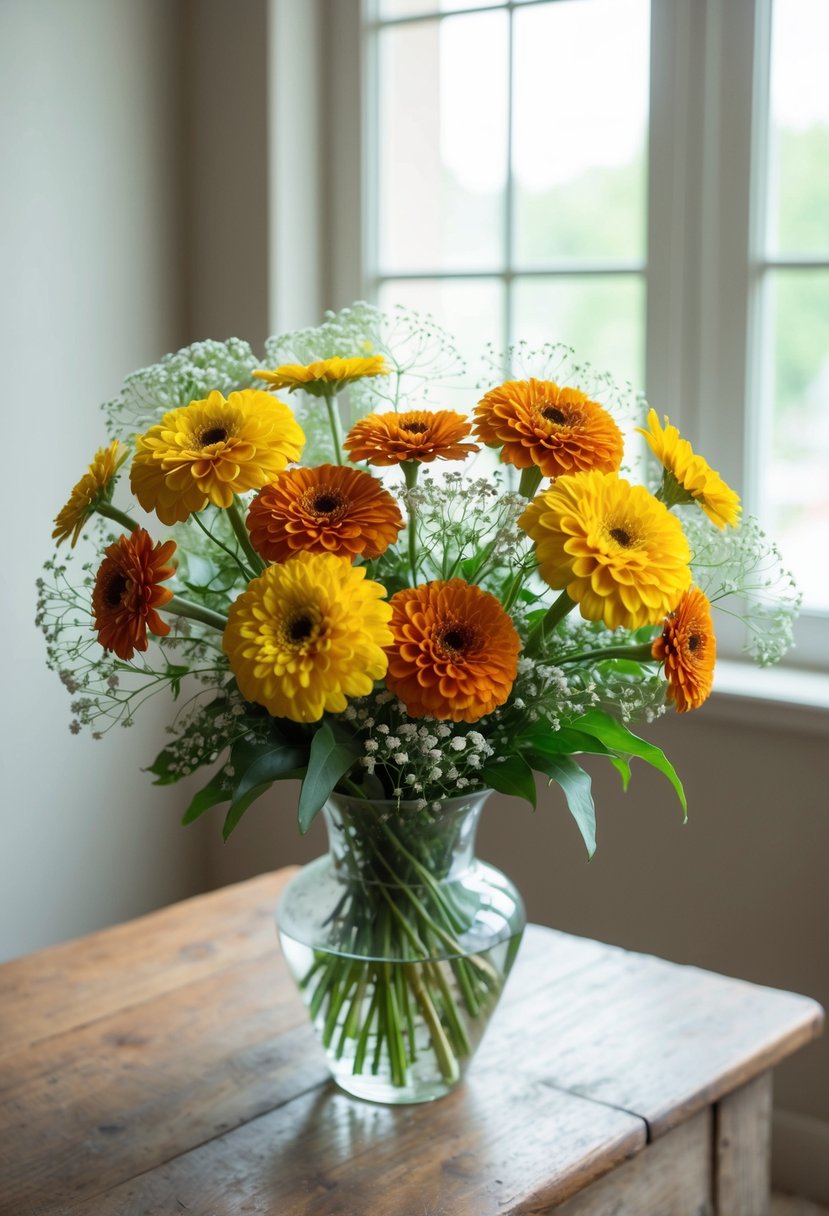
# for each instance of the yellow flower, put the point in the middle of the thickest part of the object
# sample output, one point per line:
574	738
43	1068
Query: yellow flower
209	450
688	477
616	550
95	486
307	634
325	376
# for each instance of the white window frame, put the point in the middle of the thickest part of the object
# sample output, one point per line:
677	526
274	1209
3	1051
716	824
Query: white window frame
709	72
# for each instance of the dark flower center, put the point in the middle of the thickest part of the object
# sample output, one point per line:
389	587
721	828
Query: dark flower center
300	628
694	642
115	589
455	638
621	537
214	434
416	428
553	414
325	504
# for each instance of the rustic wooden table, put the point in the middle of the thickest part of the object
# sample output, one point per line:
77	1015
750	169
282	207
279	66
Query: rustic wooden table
166	1066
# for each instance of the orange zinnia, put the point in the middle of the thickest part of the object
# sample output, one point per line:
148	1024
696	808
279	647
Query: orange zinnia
127	592
560	430
419	435
455	651
330	509
688	649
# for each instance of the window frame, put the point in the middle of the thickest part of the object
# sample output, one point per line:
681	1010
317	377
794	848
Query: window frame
705	256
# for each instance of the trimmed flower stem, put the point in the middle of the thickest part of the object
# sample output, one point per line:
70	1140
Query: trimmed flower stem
555	613
335	425
109	512
195	612
234	514
404	987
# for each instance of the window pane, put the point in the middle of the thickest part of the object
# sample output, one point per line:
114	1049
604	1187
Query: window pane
471	312
442	143
799	134
601	317
410	8
580	130
796	487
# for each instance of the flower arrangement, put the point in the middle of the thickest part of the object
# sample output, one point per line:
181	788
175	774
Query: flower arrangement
350	590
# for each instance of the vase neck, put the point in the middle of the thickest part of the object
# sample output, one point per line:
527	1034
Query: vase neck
390	843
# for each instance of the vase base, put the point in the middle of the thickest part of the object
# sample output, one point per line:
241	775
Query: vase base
377	1089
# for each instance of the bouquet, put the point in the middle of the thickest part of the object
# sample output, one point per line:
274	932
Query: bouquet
400	604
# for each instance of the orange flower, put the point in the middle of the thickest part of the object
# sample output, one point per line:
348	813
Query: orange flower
330	509
455	651
558	429
127	592
420	435
688	649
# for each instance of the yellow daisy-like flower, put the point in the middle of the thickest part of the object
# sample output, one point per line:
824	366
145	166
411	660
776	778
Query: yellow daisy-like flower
688	477
94	487
306	635
688	648
209	450
325	376
616	550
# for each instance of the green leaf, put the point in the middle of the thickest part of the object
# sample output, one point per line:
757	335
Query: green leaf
563	742
514	776
240	805
217	790
575	783
617	738
622	766
329	760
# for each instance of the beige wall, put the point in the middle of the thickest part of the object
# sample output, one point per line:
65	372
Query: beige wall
89	248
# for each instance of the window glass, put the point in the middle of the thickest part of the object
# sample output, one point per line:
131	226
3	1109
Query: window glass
442	143
580	130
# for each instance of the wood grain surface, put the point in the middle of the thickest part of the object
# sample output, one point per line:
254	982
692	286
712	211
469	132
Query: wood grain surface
167	1065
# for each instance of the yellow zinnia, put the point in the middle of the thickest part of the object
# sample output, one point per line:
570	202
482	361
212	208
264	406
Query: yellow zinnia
688	477
94	487
307	634
209	450
616	550
326	376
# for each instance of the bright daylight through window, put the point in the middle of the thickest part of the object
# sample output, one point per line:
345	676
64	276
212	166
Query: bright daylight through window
508	195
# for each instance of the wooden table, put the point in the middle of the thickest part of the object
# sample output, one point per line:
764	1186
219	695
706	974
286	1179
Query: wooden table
166	1066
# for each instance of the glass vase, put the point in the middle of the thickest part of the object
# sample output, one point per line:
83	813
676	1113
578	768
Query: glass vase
400	941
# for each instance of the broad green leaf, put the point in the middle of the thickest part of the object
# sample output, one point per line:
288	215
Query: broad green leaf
617	738
564	742
240	805
330	759
279	761
575	783
514	776
217	790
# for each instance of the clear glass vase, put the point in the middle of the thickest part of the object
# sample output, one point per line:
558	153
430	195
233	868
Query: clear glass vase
400	941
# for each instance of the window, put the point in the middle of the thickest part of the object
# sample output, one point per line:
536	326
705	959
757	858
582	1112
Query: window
647	182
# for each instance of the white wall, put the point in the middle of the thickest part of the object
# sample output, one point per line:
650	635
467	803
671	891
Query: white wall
89	249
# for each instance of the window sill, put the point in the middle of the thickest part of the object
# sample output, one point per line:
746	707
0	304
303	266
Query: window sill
775	697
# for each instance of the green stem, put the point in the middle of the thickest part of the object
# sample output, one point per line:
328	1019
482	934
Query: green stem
411	468
555	613
530	481
335	425
640	654
109	512
234	514
196	612
221	544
